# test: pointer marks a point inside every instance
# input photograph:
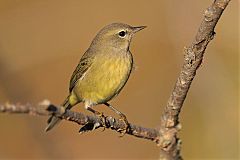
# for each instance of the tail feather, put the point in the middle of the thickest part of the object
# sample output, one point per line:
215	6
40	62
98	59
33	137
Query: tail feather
52	121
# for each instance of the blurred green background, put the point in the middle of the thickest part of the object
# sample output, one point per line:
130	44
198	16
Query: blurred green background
41	42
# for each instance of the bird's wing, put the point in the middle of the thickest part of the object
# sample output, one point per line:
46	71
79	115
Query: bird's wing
81	68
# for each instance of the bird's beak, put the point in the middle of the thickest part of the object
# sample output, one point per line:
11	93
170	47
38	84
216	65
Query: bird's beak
136	29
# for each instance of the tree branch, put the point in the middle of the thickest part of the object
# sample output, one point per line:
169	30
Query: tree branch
170	149
166	137
89	122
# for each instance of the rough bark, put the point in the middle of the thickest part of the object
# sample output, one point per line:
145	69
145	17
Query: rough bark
193	56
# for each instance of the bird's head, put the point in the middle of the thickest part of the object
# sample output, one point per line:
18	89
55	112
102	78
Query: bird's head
116	35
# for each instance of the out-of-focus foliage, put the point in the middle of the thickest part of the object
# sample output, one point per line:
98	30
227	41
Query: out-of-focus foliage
41	43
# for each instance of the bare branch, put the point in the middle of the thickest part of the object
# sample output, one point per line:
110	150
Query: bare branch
89	122
192	60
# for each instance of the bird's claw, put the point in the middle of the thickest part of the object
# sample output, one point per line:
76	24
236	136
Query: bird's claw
124	130
102	118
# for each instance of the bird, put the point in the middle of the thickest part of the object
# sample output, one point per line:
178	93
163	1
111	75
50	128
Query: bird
102	71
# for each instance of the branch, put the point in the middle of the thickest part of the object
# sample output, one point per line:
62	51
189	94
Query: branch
170	149
166	137
89	122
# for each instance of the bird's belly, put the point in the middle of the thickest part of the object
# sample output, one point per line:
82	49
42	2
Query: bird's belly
103	82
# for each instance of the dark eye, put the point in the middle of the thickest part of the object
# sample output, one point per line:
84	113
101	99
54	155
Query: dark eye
122	33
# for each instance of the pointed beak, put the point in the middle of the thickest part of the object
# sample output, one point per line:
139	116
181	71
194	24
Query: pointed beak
136	29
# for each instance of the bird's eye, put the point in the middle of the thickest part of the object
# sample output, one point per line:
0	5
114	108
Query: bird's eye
122	34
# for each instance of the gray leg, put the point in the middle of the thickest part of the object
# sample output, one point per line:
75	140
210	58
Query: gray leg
93	111
115	110
122	117
100	115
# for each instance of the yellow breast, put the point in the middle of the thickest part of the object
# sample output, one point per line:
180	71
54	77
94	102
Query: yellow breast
104	79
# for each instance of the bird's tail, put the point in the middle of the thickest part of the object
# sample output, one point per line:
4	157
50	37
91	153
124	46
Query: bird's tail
52	121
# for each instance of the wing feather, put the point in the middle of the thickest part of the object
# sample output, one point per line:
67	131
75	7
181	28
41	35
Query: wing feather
82	67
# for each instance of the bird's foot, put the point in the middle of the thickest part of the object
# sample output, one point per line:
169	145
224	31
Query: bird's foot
124	130
102	118
100	115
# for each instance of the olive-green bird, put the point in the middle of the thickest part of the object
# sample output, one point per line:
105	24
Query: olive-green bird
102	71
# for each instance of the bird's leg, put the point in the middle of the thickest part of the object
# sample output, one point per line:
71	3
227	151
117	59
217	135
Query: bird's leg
99	114
122	117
